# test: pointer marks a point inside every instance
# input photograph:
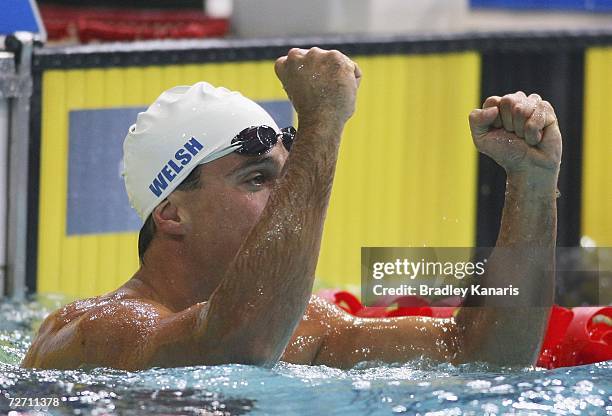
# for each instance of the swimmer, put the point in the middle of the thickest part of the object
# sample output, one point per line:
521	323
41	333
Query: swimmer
233	210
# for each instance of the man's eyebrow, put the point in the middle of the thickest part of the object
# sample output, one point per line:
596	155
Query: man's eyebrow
266	161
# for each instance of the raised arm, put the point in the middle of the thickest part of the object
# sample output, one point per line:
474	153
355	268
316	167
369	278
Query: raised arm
521	134
256	308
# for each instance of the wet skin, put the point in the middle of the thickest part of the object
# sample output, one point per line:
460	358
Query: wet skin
228	277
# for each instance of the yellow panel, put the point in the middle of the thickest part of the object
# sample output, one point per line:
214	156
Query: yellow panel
90	258
407	169
54	127
171	77
113	84
411	196
152	84
597	147
214	74
72	258
127	259
191	74
406	174
134	91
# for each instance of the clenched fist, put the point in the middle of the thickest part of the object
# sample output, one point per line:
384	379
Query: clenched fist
520	133
322	85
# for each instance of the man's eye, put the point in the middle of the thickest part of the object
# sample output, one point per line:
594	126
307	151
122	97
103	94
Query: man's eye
257	180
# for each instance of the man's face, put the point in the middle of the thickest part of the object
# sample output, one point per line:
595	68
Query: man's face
219	215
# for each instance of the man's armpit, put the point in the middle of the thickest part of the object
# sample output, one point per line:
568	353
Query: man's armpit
320	318
178	338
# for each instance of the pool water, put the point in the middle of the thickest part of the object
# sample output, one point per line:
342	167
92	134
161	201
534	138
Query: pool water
418	387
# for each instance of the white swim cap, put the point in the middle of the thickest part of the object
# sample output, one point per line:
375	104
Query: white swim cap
185	127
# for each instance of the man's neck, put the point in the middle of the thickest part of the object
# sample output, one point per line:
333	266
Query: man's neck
174	283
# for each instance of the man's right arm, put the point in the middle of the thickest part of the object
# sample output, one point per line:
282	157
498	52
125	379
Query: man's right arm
262	298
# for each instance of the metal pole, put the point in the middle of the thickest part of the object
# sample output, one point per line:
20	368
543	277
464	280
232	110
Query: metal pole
7	71
18	171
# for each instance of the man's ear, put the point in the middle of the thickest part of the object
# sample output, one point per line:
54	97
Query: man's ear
167	219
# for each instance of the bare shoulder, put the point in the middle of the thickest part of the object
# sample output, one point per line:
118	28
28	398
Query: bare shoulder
109	330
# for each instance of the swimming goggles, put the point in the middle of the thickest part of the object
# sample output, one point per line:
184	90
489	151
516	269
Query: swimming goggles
258	140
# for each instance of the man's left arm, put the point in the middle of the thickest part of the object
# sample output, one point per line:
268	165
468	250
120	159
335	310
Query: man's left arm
521	134
330	336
